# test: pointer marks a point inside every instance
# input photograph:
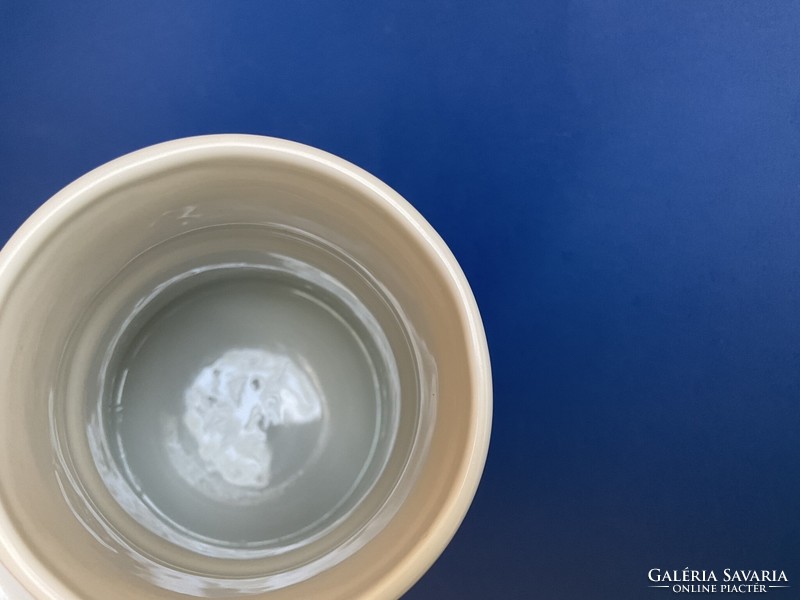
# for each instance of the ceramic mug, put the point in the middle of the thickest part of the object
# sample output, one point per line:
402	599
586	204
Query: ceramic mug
234	366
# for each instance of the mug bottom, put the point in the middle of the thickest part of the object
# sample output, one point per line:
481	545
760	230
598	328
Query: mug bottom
247	411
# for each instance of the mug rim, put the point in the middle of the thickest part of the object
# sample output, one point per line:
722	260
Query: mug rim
36	230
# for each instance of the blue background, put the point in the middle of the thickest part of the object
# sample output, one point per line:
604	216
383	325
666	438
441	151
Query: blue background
620	183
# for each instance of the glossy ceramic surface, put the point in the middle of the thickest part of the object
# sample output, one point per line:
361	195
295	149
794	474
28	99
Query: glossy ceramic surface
76	272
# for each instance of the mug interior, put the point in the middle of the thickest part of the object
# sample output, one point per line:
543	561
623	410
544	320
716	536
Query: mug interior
152	300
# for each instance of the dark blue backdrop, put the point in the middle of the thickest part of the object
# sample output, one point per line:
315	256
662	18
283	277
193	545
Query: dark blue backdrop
620	183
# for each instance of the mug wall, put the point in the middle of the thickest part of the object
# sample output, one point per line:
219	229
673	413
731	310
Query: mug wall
94	230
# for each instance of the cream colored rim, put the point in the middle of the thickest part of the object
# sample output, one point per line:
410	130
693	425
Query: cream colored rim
35	231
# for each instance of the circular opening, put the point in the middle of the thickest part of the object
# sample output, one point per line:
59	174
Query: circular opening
120	465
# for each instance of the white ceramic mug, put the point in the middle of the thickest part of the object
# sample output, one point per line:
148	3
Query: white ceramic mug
108	254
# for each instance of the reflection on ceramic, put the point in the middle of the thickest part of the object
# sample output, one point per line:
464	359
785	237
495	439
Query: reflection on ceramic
229	411
272	378
10	589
